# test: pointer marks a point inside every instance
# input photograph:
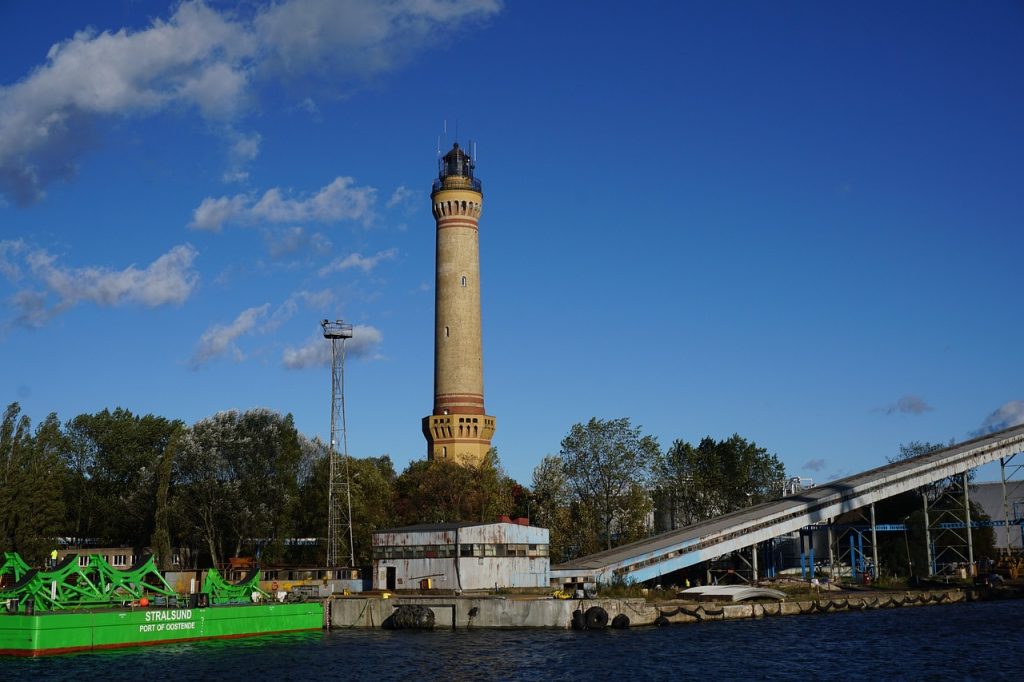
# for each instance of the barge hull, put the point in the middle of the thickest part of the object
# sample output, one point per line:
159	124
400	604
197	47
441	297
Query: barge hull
53	633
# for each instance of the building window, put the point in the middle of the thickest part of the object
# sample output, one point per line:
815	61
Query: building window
466	550
444	452
446	332
119	560
463	280
83	560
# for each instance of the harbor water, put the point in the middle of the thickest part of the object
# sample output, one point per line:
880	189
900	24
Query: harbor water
971	641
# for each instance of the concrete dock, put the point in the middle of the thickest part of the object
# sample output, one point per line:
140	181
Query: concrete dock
459	612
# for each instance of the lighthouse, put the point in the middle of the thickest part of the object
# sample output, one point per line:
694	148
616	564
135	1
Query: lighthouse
459	428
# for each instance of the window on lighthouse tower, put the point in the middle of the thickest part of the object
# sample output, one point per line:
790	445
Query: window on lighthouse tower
463	280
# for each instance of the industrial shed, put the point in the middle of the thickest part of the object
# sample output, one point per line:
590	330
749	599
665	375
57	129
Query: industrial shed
461	556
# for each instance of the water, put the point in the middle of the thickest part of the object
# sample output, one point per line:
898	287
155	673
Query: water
980	641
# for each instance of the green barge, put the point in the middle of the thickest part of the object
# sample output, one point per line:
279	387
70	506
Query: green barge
89	605
57	632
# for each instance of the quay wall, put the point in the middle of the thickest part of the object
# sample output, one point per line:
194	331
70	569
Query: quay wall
496	612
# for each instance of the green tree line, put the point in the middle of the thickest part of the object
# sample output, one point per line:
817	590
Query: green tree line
243	483
233	484
608	480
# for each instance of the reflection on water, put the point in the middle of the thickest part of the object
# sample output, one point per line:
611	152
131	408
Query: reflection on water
980	641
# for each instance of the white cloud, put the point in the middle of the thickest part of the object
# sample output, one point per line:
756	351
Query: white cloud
244	149
309	106
908	404
32	308
9	268
317	350
220	338
358	37
291	240
403	196
197	57
310	299
205	59
213	213
235	174
357	260
814	464
1008	414
170	279
333	203
340	200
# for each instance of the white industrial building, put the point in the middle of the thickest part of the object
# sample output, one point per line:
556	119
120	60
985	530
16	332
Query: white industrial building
989	496
461	556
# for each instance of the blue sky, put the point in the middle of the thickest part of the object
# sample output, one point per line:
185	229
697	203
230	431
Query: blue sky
801	222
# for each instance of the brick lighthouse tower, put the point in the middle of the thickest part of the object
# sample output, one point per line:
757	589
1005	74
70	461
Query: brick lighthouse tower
459	429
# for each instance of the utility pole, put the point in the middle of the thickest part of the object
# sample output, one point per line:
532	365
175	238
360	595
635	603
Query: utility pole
339	498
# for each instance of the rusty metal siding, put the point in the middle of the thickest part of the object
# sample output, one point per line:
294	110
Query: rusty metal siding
503	533
483	573
403	539
409	573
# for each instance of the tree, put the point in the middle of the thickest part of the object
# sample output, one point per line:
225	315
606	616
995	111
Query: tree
238	477
442	491
372	483
714	478
206	486
162	514
607	466
13	443
494	488
31	504
114	457
551	496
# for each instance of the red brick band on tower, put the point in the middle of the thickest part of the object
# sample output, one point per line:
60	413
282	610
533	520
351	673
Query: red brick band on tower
469	404
457	222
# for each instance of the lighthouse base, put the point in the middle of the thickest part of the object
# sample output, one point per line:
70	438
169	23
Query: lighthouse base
460	438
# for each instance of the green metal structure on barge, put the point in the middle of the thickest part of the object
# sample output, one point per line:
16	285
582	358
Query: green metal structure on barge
89	605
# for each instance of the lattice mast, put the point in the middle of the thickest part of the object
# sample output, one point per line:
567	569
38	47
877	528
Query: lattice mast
339	498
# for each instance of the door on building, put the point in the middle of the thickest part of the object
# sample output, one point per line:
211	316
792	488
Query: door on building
392	571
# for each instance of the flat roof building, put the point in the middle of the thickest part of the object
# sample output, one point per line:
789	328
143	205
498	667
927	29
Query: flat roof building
989	497
461	556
